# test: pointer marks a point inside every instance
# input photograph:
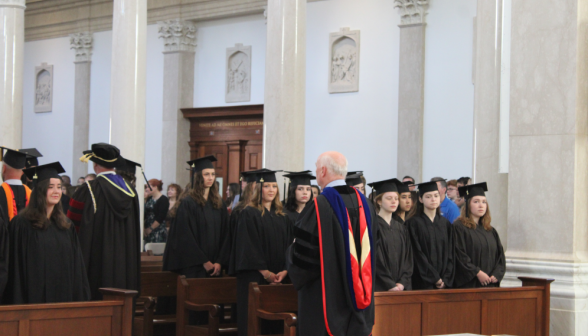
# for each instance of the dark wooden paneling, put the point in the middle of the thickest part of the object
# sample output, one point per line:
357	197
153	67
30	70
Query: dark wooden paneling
400	319
93	326
501	321
453	317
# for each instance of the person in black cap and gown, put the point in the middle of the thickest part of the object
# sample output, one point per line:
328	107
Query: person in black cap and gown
106	212
32	161
432	241
406	202
299	193
14	195
356	180
264	233
394	252
198	239
479	256
46	263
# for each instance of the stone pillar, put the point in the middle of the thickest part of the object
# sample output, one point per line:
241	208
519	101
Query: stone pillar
285	82
411	92
11	71
178	92
487	66
548	171
128	82
82	44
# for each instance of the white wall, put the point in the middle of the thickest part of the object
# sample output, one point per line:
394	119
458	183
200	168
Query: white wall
449	92
213	38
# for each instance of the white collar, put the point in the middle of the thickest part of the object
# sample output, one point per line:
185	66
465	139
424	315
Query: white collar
110	172
13	182
336	183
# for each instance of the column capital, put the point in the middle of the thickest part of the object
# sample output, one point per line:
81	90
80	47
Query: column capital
82	44
412	11
13	3
177	35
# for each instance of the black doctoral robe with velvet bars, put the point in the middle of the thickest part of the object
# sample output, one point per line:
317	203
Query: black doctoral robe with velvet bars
305	272
109	234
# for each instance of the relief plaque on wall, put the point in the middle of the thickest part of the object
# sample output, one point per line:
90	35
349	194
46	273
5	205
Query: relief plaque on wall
44	88
238	69
344	61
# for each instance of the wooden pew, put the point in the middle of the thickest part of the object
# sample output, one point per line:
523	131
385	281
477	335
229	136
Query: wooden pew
153	285
151	263
274	303
147	253
522	311
111	316
209	295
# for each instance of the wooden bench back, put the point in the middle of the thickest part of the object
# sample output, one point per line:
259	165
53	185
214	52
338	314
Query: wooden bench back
275	298
159	284
112	316
208	290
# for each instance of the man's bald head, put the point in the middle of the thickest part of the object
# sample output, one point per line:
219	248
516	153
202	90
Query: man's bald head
330	166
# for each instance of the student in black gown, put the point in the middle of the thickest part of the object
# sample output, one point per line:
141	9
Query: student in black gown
197	242
405	203
356	180
299	193
46	263
394	253
316	190
432	241
479	256
265	233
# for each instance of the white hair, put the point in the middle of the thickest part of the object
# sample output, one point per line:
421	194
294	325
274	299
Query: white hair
333	166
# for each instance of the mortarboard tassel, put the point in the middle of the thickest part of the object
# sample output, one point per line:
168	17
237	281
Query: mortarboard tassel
145	177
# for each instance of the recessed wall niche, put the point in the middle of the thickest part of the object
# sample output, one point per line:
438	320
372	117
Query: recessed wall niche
44	88
344	61
238	69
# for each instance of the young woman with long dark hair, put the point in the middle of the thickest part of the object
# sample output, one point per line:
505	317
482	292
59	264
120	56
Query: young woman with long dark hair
405	202
479	255
265	233
299	193
432	241
394	261
46	263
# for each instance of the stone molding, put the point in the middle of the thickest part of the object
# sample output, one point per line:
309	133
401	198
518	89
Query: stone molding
13	3
412	11
178	35
82	44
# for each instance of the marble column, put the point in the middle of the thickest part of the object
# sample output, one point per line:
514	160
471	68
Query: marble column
82	44
548	171
128	82
411	92
178	92
285	82
487	65
11	71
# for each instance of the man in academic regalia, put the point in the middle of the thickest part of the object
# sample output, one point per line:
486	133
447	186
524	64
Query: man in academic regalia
14	196
106	213
332	260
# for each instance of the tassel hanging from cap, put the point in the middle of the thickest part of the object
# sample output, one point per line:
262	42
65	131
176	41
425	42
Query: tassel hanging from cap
86	157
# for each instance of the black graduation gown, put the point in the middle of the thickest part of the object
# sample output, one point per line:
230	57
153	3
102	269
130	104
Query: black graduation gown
394	256
233	223
110	237
260	245
293	215
20	198
4	253
305	273
198	235
432	247
475	250
45	265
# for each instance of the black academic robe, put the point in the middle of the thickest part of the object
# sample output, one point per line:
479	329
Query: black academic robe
4	253
261	244
109	234
46	266
305	272
233	223
475	250
394	256
432	247
199	234
293	215
20	197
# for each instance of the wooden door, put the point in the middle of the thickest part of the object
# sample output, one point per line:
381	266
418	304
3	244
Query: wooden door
253	156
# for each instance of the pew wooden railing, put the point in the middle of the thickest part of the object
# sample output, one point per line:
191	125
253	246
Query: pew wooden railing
151	263
522	311
153	285
209	294
274	303
147	253
111	316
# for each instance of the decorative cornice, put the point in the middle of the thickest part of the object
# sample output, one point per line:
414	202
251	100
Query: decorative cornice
13	3
82	44
178	35
412	11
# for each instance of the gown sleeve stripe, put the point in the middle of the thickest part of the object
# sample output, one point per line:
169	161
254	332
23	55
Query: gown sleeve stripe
305	236
305	251
76	204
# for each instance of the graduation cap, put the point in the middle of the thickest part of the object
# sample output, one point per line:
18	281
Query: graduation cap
385	186
32	155
266	175
300	178
403	187
202	163
427	187
44	172
249	176
128	166
472	190
354	178
13	157
103	154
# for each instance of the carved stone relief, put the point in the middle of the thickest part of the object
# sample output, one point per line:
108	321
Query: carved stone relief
82	44
238	68
44	88
412	11
344	61
178	35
